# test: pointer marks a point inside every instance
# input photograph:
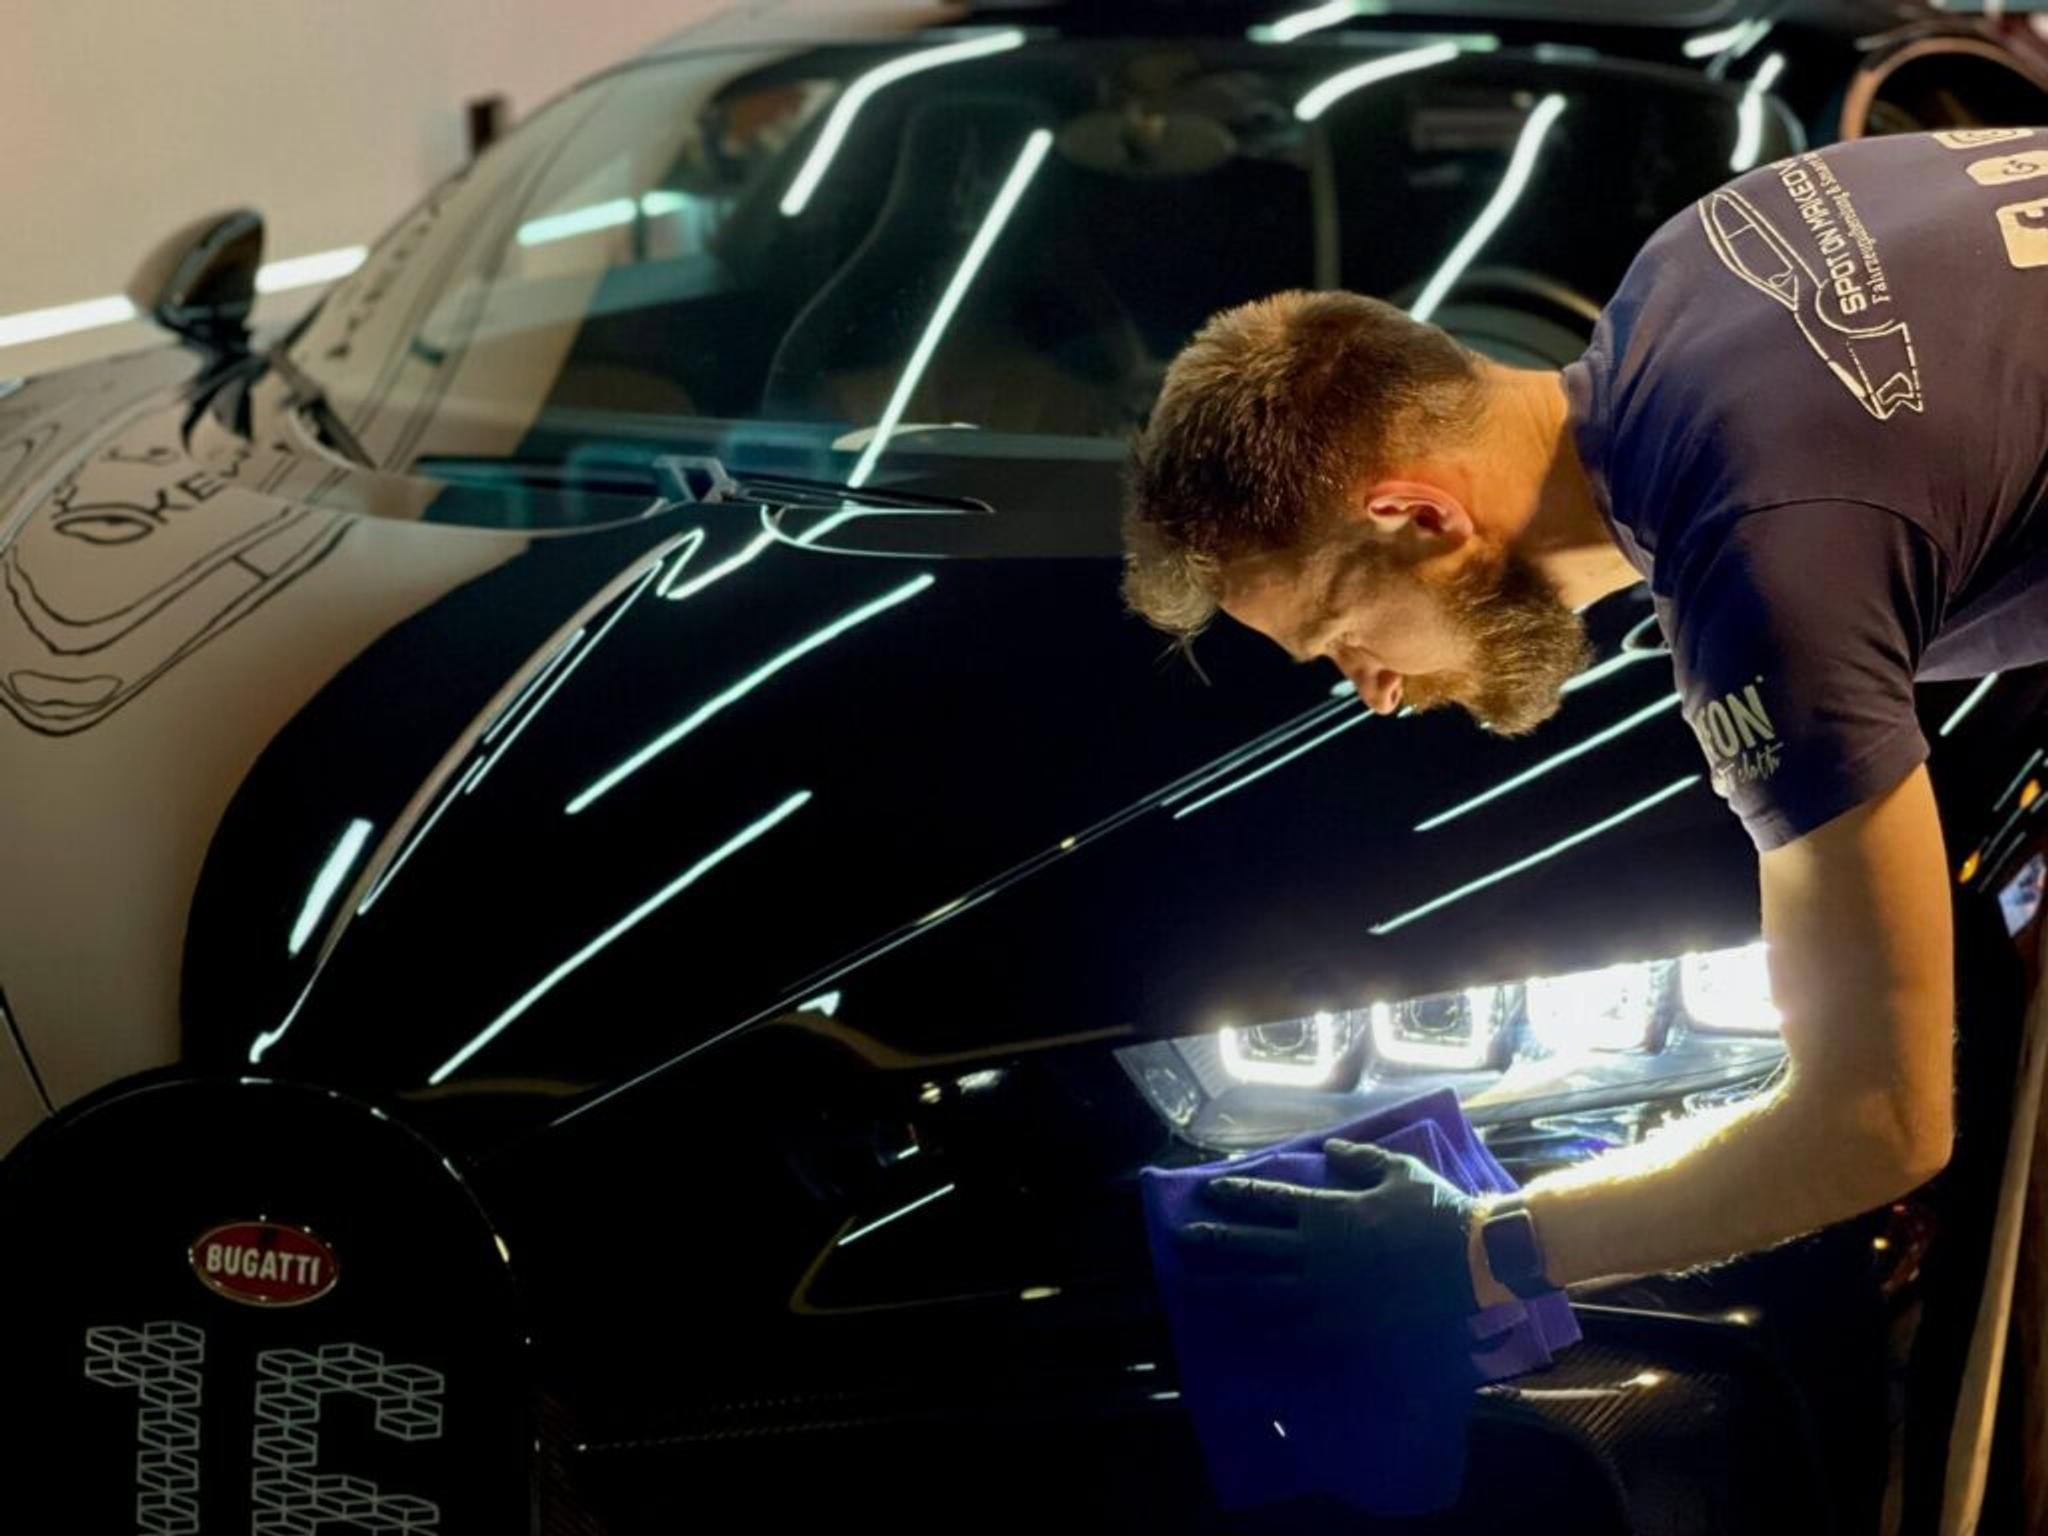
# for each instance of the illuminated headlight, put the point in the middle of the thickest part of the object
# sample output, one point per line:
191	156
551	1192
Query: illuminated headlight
1729	989
1614	1009
1301	1053
1451	1031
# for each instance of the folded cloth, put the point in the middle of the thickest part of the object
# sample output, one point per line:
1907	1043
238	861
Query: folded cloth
1287	1406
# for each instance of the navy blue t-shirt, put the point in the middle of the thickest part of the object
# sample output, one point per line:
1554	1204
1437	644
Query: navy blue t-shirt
1815	415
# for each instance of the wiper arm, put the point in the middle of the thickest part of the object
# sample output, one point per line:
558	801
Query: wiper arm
309	397
695	480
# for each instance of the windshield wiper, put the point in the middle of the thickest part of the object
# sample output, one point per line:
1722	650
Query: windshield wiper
304	394
695	479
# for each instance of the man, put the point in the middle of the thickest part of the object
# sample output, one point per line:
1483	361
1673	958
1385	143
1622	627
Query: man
1815	419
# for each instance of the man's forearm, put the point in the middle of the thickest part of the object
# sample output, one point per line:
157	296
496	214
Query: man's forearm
1714	1185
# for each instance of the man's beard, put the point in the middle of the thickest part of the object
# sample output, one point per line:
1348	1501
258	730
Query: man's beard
1526	644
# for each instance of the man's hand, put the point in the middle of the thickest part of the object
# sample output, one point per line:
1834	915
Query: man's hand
1389	1247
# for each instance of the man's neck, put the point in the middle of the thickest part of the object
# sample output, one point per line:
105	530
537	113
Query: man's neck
1562	529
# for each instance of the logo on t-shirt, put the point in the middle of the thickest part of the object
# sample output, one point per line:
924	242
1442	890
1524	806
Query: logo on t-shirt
1736	733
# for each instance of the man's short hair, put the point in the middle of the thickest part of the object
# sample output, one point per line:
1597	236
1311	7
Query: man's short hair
1266	418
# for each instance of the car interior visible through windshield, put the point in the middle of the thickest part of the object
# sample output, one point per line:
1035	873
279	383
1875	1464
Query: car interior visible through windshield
804	261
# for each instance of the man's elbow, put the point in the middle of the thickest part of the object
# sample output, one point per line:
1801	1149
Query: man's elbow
1895	1142
1919	1159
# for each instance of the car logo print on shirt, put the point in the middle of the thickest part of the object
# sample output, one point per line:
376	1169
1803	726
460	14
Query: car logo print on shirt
264	1263
1875	362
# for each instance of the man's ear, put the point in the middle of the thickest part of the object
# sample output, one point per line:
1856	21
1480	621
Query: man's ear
1413	509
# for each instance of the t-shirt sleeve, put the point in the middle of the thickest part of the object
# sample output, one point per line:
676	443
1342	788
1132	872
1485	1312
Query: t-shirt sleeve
1796	631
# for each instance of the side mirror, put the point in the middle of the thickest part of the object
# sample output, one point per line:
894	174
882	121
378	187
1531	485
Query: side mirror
200	284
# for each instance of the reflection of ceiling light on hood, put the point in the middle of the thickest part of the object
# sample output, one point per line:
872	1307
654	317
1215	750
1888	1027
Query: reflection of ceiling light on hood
1555	760
1540	856
338	864
624	925
1970	702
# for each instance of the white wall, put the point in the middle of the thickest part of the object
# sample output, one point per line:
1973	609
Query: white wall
122	119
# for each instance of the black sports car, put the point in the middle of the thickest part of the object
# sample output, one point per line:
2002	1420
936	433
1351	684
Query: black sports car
599	906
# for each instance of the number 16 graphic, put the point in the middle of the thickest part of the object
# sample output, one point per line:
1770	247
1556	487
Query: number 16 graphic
163	1363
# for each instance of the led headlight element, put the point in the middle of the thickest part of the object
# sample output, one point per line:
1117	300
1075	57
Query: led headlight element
1729	989
1450	1031
1614	1009
1301	1053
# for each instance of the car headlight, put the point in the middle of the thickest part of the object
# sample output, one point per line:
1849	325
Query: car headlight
1301	1053
1547	1051
1615	1009
1454	1031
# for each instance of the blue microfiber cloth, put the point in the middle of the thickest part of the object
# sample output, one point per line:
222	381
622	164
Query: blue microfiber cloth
1286	1406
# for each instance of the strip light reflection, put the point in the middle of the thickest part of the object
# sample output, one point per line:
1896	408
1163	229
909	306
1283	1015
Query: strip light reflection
305	271
1315	19
328	881
1232	761
1749	133
1279	762
1521	165
692	542
539	679
1555	760
1359	76
92	314
583	221
839	121
1012	190
1541	856
916	1205
542	699
1974	698
747	685
2019	778
419	837
623	926
1733	41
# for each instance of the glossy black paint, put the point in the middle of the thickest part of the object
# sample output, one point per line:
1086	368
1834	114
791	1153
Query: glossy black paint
712	1194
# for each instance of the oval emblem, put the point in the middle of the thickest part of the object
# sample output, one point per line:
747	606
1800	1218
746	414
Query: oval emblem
264	1264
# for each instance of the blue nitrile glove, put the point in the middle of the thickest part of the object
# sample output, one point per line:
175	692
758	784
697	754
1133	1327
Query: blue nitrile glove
1388	1249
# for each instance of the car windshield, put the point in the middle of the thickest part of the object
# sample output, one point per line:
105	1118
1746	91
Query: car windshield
916	260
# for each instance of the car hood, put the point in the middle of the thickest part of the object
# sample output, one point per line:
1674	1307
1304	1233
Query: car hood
303	780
